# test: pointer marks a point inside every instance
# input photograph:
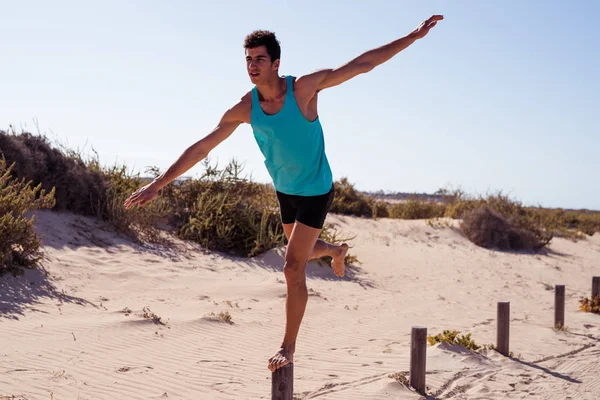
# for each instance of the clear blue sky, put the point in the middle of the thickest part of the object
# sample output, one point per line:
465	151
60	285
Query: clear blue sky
500	95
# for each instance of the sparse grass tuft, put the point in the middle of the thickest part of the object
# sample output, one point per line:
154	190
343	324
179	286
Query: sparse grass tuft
223	316
401	378
563	329
452	337
149	315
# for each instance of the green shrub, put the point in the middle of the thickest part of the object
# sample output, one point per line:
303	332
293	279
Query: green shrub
590	305
452	337
19	243
225	212
138	223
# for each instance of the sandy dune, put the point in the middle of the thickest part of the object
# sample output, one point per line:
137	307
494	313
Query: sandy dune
79	332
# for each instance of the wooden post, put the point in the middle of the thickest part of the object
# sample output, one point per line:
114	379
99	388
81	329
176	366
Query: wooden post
502	339
596	286
559	306
282	383
418	357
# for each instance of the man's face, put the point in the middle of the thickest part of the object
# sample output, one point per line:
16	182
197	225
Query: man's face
259	65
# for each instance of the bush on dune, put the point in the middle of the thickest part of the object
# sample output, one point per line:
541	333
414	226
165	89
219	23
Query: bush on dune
417	209
19	244
139	223
81	186
225	212
220	210
77	188
348	201
489	228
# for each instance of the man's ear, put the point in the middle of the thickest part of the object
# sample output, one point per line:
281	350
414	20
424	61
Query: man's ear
276	65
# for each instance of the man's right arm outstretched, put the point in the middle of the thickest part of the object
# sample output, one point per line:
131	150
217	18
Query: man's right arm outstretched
231	119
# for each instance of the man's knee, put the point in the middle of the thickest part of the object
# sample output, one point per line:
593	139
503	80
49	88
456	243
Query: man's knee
294	271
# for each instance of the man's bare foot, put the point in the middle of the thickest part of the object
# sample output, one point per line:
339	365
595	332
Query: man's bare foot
282	358
338	260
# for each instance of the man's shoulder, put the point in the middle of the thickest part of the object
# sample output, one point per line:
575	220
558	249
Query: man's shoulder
243	108
309	82
246	98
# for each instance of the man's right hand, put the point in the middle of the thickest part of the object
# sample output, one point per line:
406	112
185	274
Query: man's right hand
142	196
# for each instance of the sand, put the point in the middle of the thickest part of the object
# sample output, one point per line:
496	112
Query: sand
78	330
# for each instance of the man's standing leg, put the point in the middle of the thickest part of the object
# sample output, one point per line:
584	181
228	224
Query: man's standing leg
299	250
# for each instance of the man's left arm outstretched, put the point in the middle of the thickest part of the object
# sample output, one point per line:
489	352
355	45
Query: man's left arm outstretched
326	78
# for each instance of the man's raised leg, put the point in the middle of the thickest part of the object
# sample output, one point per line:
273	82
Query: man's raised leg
323	249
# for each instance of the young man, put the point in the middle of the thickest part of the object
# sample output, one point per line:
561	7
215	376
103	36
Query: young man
282	112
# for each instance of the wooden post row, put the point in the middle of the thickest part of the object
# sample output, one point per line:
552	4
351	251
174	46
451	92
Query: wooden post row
282	383
418	358
503	334
595	286
559	306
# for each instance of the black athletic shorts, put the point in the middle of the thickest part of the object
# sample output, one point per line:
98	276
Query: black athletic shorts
309	210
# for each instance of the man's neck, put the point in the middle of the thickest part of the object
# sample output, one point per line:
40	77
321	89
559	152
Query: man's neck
272	89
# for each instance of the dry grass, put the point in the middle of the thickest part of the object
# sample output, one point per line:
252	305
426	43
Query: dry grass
223	316
149	315
561	329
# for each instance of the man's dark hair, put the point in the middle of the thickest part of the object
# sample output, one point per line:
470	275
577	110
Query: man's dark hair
264	38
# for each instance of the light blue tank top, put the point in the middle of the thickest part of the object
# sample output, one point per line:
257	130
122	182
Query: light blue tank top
293	147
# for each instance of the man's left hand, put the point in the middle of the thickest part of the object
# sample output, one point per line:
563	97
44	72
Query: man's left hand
426	25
